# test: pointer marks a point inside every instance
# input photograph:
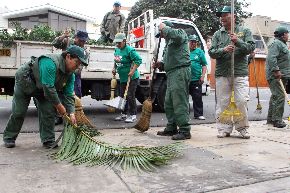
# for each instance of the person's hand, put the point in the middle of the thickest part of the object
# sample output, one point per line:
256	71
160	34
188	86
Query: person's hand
131	72
114	71
277	74
60	109
201	80
161	26
66	33
73	118
229	48
234	38
156	64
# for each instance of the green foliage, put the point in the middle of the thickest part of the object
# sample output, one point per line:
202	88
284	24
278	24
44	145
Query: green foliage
78	147
201	12
42	33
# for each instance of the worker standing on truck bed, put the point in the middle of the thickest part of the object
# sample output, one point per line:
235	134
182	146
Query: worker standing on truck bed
50	80
64	41
113	23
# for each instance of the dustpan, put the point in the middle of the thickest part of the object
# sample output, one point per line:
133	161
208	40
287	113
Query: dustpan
119	102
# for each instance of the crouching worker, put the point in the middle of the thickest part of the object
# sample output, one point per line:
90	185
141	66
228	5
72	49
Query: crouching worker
50	80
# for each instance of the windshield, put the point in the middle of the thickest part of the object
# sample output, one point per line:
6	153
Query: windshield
190	30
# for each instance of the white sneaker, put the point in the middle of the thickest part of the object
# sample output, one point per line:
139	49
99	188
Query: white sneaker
131	119
121	117
223	134
201	118
244	133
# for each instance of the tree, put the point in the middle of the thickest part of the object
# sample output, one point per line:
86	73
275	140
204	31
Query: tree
201	12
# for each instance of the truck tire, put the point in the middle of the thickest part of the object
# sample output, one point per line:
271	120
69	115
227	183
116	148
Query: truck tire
158	104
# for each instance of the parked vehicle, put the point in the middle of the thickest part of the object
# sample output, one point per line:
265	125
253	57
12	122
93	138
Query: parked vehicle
97	76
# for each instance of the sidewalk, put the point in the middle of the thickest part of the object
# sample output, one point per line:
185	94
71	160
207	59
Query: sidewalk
209	164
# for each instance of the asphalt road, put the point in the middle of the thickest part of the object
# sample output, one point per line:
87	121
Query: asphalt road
102	119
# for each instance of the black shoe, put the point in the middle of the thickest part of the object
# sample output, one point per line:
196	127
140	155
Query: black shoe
58	121
49	145
167	133
279	124
181	136
9	143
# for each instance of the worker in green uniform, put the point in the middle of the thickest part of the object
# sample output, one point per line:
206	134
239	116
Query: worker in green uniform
63	42
113	23
198	71
277	68
224	43
176	64
126	62
50	80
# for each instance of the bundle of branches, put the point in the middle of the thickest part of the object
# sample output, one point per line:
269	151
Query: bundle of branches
78	147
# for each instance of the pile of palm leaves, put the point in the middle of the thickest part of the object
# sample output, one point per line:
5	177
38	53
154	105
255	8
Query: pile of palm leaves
79	147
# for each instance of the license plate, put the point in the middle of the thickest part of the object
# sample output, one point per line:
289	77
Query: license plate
5	52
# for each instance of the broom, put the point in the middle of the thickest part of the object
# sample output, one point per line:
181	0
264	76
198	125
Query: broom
80	115
113	86
144	122
285	93
231	114
259	106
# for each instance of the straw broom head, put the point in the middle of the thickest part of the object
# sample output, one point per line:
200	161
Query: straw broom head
144	121
80	115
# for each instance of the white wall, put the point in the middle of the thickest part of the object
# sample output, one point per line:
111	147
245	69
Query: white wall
3	22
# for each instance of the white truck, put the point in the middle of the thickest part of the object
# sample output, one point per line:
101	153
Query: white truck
97	76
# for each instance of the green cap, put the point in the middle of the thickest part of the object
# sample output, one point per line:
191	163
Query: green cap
193	38
226	9
79	52
119	37
281	30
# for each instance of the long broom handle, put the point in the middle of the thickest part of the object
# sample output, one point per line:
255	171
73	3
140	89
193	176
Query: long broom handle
284	91
155	60
262	38
256	79
127	87
232	31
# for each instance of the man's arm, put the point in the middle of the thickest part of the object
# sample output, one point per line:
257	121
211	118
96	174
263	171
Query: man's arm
103	24
62	41
122	23
214	51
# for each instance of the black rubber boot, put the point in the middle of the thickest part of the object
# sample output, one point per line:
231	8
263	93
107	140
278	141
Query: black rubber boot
10	143
167	133
181	136
279	124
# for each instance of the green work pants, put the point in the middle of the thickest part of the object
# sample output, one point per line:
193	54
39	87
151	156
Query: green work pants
277	101
176	100
24	89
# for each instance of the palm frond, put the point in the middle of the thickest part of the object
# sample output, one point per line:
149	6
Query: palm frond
79	147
